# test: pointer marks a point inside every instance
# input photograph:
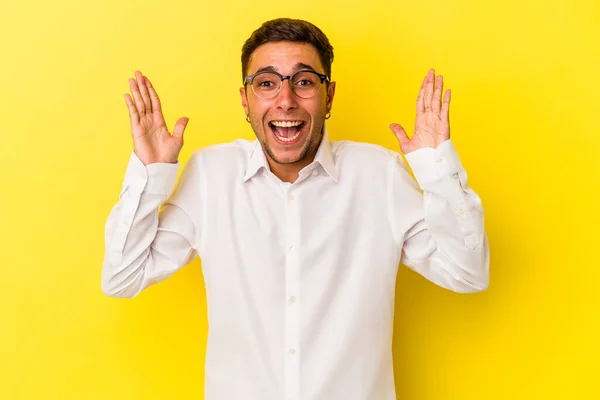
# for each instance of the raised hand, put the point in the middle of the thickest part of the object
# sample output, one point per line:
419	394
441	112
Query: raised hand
432	125
152	141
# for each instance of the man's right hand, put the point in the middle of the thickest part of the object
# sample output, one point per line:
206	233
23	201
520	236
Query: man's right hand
152	141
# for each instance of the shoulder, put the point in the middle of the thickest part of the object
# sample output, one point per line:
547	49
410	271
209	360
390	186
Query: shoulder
219	155
362	154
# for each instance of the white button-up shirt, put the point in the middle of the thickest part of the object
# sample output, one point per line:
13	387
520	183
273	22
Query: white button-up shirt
300	278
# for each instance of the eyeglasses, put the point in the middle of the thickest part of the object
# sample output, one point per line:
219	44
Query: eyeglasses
267	84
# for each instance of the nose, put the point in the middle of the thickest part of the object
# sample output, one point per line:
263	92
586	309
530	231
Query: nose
286	99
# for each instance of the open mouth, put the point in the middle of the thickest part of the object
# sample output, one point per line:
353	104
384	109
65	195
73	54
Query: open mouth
286	132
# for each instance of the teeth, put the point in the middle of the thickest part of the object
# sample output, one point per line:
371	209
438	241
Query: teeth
286	124
283	139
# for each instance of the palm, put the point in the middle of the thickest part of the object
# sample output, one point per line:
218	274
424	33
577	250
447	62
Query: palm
152	140
432	125
149	126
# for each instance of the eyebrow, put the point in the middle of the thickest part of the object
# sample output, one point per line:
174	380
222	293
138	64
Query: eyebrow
298	66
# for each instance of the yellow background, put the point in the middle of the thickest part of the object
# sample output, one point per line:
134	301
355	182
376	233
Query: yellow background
525	114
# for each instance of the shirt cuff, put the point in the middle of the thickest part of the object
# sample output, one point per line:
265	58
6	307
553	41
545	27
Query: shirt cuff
156	178
430	165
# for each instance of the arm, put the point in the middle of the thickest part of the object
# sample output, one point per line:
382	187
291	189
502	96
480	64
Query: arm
145	245
444	239
149	235
442	229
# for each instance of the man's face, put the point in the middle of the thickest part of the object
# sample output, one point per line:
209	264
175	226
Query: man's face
296	144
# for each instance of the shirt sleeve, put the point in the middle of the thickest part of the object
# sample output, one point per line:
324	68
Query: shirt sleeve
150	233
439	220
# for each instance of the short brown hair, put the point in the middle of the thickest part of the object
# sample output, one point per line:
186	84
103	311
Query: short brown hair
292	30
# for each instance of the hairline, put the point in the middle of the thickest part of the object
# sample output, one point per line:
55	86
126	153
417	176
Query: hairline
246	74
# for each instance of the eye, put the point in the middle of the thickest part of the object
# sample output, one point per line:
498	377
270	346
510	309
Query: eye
305	79
304	82
266	83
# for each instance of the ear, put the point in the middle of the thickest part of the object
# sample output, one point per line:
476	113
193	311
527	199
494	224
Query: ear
330	95
244	100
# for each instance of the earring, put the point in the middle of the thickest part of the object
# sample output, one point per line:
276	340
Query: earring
247	119
328	115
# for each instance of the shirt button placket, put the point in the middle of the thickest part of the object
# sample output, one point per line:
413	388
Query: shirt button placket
292	278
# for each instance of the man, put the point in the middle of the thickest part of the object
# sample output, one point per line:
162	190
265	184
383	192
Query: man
300	237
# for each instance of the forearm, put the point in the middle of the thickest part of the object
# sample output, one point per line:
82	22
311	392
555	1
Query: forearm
448	243
143	245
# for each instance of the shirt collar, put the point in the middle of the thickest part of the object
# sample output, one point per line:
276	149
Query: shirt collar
324	157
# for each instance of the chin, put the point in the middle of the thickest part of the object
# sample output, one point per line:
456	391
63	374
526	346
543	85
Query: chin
287	156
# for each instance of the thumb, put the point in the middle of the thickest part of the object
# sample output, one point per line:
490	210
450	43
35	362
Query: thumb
401	136
180	126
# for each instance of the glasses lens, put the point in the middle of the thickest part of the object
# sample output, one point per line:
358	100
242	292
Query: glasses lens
306	84
266	85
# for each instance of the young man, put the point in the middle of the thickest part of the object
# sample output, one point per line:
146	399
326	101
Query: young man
300	237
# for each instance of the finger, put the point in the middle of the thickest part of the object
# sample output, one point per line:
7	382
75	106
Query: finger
429	89
137	96
400	135
133	113
180	127
144	91
156	106
437	95
420	98
444	114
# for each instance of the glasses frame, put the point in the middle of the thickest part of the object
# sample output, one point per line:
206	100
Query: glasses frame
282	78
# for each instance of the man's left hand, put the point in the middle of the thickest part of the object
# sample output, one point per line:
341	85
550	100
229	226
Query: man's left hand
432	125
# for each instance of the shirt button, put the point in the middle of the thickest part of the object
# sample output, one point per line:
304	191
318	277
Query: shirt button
440	160
292	351
292	247
314	172
291	197
461	211
293	299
